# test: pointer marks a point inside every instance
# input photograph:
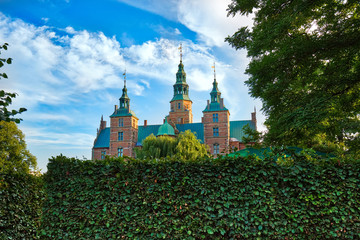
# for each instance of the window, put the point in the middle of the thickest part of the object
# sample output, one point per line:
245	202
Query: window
215	117
120	136
120	152
121	122
216	148
179	105
215	131
103	153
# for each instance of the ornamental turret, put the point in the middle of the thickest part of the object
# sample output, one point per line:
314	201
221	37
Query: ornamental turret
216	122
124	127
180	104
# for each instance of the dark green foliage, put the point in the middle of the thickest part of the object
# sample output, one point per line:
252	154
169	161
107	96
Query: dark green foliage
252	138
6	97
21	197
305	68
224	198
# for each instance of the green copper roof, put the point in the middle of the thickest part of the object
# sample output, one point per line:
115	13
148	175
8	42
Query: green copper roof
181	75
181	88
215	93
103	140
166	129
143	132
196	128
236	131
123	112
236	128
180	97
215	107
215	103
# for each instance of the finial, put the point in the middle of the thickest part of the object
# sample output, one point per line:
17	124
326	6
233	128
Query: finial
214	71
180	49
124	74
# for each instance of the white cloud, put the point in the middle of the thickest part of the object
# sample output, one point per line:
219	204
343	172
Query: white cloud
207	18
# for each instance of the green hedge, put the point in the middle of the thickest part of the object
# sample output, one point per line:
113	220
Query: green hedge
225	198
21	197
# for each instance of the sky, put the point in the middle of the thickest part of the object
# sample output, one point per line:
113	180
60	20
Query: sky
69	57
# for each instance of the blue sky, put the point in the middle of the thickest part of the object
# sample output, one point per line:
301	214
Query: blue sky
69	56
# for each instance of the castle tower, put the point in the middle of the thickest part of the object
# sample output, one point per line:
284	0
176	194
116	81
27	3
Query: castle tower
180	104
216	122
123	127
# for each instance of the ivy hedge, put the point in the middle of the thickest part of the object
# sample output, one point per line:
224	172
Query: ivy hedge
21	197
226	198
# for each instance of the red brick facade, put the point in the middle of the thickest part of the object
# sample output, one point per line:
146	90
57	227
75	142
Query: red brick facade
217	131
123	135
180	112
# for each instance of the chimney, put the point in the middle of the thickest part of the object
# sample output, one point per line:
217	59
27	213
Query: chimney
116	107
145	123
253	118
164	120
221	103
208	104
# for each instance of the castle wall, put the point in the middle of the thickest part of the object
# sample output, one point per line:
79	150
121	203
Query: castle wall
223	126
182	115
97	153
129	135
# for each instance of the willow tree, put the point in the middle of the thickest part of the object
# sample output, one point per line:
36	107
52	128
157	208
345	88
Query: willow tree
185	146
305	67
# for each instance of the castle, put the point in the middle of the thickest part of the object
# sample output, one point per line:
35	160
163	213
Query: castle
215	129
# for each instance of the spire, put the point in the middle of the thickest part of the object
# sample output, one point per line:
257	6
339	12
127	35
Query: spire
181	88
180	49
124	74
214	71
124	99
216	103
215	93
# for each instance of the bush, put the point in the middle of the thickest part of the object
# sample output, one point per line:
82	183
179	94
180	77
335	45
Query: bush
21	197
226	198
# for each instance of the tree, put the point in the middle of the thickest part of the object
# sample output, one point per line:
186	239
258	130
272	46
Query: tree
189	147
13	153
6	97
156	147
185	146
252	138
305	67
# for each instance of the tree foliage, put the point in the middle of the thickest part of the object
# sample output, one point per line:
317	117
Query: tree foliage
185	146
305	67
6	97
252	137
13	153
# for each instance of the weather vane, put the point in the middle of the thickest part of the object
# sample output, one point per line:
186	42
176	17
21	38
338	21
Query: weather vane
124	74
180	48
214	70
